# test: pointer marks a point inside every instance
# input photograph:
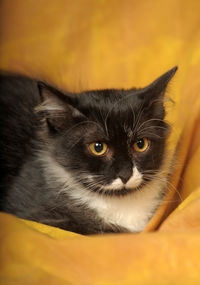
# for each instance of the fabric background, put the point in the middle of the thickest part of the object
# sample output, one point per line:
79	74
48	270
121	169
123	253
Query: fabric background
87	44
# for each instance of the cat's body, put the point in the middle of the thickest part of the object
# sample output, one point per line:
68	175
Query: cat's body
92	162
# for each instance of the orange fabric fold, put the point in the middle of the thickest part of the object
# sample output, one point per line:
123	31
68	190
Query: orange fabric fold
88	44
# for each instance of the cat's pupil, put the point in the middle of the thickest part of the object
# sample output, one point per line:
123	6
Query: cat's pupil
140	143
98	147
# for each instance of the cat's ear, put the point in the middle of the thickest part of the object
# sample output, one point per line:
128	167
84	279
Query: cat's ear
153	94
157	88
56	109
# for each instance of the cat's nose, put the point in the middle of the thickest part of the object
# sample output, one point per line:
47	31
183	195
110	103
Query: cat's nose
125	174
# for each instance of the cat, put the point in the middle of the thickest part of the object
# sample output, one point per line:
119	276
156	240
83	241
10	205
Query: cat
90	162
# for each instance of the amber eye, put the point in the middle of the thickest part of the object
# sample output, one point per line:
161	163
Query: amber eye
98	148
141	145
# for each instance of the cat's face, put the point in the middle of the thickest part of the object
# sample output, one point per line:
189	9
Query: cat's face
112	141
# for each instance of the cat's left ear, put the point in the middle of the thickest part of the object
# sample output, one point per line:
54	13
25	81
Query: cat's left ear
57	108
153	94
157	88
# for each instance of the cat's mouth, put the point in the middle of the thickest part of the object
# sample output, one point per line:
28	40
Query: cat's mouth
116	187
102	189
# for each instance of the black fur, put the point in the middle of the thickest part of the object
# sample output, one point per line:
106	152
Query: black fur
117	117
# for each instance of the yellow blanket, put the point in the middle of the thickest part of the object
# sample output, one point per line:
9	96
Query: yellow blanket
102	44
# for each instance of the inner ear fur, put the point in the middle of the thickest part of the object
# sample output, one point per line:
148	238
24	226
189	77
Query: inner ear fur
56	109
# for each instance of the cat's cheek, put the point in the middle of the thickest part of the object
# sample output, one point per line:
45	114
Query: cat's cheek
142	161
139	159
109	155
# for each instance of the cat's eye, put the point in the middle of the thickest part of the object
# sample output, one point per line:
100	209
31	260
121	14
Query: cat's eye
98	148
141	145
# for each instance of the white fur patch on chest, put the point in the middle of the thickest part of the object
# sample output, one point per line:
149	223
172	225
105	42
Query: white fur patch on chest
131	211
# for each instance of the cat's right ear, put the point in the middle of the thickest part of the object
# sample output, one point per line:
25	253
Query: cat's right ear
56	108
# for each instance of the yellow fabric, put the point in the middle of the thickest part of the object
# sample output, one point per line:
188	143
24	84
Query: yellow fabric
102	44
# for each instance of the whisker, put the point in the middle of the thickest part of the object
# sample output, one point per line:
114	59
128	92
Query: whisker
153	127
81	123
135	124
150	120
165	180
133	112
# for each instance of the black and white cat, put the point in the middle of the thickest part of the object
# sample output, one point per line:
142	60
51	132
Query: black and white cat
90	162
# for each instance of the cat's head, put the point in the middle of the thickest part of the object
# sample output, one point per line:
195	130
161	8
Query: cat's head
112	141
